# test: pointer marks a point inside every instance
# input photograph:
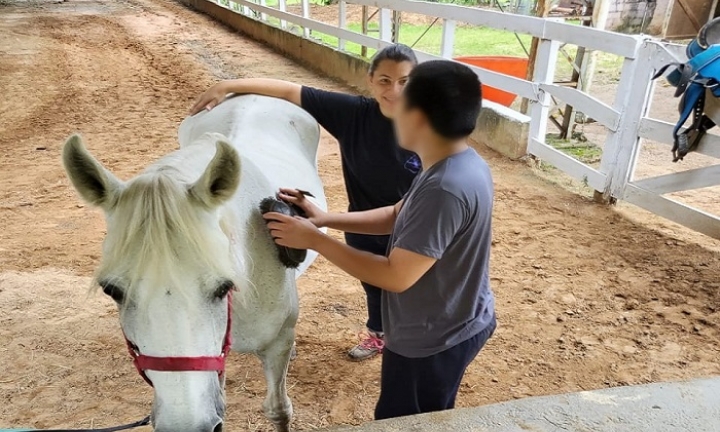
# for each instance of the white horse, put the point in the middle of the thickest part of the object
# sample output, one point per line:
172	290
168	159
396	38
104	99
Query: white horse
184	232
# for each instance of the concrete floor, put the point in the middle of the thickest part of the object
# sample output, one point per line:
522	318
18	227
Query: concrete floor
692	406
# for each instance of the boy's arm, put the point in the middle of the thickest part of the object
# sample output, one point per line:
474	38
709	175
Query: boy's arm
395	273
428	230
429	226
374	222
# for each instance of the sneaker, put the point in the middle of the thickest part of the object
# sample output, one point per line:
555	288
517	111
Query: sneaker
370	345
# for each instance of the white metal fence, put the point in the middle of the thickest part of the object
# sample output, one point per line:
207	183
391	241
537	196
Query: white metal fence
626	121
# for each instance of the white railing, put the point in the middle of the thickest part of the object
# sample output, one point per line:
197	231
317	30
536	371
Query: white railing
626	120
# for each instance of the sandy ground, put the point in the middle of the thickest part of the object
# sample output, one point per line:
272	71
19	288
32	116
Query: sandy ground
587	296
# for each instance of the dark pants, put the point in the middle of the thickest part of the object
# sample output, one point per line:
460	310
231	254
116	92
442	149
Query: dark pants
420	385
378	246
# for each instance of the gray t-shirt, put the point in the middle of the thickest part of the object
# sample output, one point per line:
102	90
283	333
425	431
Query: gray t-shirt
445	215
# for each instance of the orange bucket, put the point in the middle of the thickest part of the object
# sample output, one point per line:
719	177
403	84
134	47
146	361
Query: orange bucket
513	66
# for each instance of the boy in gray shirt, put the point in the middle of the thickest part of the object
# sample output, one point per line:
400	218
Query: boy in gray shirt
437	306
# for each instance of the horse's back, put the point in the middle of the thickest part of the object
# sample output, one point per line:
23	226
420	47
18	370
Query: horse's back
277	138
258	125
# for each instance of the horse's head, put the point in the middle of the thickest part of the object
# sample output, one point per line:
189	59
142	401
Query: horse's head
167	263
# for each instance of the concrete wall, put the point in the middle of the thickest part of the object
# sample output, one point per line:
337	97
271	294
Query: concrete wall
499	128
636	16
692	406
313	55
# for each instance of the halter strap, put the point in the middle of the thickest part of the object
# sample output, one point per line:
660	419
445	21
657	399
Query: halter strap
184	364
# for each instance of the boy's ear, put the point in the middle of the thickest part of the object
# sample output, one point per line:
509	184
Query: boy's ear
420	120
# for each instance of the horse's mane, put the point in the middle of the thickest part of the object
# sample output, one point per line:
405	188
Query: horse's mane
163	231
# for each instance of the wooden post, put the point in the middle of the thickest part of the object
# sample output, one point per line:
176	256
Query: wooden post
396	23
547	55
543	10
306	14
448	39
342	18
263	16
363	49
282	5
567	124
601	9
386	25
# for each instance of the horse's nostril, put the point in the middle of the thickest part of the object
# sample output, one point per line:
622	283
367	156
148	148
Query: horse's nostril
218	428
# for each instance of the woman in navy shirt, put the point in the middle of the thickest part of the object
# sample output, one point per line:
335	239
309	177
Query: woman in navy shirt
377	171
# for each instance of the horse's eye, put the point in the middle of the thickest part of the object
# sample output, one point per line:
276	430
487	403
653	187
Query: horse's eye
224	289
113	291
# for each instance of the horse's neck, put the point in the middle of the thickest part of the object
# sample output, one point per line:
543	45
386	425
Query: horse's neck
186	164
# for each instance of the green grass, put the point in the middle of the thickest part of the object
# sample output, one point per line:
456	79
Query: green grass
469	40
473	40
584	151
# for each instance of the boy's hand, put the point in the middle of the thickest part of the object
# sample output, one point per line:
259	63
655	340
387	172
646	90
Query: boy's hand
292	232
210	99
313	212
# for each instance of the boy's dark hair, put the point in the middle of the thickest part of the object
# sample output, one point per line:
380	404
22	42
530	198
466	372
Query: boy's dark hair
448	93
396	52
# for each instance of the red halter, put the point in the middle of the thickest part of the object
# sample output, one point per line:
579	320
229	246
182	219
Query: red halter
184	364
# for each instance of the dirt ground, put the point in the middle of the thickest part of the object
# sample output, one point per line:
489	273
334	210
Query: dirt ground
587	296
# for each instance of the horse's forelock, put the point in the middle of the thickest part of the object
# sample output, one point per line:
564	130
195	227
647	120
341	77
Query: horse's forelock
158	233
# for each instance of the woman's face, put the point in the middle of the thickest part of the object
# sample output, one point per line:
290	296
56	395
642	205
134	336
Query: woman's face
387	82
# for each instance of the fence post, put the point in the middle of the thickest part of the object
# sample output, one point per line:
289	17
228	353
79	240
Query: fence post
306	14
544	73
282	5
448	39
342	17
386	25
632	102
263	16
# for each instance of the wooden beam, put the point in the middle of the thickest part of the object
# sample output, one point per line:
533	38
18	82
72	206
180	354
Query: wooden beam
448	39
364	29
713	10
567	125
690	14
601	10
342	22
396	24
543	10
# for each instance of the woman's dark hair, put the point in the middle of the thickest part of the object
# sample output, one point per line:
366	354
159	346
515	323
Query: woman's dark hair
397	52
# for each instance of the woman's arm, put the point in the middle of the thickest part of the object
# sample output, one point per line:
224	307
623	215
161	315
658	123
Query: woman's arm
262	86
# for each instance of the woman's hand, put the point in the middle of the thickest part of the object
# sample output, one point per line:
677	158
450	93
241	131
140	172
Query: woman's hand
211	98
292	232
313	212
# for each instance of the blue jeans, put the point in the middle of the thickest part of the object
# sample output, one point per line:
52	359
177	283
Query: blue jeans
419	385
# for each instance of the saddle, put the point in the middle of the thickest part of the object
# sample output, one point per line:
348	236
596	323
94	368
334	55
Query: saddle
695	81
289	257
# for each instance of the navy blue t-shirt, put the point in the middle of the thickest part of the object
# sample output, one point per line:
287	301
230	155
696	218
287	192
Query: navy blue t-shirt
377	171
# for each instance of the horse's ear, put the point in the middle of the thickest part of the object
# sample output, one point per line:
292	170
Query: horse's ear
94	183
221	177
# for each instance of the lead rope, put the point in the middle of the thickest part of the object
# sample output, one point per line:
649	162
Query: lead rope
137	424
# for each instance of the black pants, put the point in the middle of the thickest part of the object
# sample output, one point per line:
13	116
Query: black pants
373	294
420	385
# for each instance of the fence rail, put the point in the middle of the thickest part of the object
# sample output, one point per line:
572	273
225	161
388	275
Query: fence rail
627	121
